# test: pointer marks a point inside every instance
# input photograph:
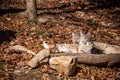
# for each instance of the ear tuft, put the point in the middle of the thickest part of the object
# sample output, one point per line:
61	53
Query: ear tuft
73	34
88	34
81	34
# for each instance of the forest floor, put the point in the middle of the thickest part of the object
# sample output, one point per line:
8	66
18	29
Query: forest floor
100	18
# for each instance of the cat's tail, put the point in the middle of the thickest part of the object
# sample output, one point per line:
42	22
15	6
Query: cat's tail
45	45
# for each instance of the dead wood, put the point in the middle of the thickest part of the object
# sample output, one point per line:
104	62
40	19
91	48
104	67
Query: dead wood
105	55
98	48
94	59
19	48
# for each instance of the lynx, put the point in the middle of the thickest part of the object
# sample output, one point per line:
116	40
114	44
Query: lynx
81	44
89	46
83	40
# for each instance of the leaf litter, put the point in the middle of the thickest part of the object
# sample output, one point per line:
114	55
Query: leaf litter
102	19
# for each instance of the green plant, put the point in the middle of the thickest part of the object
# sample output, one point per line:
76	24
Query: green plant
29	21
91	22
2	64
29	32
19	31
79	65
40	33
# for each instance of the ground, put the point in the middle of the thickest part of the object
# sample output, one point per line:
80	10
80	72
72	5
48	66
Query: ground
101	18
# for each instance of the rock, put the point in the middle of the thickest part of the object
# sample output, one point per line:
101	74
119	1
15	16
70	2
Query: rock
64	64
41	56
43	20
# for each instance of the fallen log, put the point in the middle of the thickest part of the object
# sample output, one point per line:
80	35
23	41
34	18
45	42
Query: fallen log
93	59
99	48
103	54
40	57
19	48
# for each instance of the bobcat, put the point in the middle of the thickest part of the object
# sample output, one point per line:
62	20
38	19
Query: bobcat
84	42
81	44
89	46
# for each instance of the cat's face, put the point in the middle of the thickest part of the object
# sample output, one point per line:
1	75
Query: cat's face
85	42
75	38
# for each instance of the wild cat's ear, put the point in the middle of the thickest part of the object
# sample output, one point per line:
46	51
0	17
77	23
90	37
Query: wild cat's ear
75	35
88	34
81	34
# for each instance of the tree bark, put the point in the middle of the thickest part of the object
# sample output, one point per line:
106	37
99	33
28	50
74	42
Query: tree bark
102	54
94	59
31	9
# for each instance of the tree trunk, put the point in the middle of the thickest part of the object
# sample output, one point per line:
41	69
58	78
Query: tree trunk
31	9
93	59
